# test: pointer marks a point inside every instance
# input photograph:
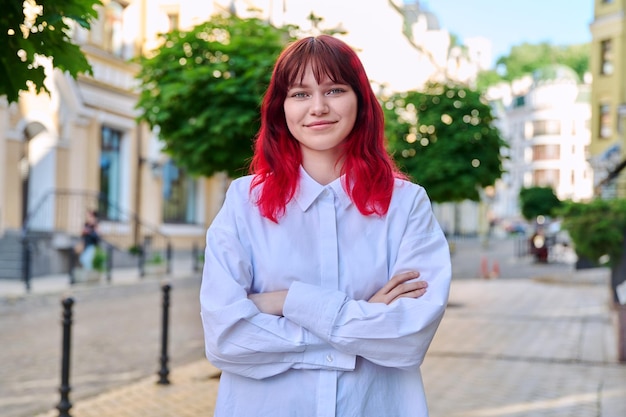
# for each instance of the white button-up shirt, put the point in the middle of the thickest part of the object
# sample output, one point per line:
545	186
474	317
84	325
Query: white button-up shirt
332	353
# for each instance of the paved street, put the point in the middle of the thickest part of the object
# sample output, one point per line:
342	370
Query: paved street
116	340
538	341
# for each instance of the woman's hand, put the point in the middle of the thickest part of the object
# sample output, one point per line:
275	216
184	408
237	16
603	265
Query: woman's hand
398	287
269	302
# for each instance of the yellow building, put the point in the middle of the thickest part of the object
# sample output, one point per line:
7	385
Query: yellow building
608	99
80	148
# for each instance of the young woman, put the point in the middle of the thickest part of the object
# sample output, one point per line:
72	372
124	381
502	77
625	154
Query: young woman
326	274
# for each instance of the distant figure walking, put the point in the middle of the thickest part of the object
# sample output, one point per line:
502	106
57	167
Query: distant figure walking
89	239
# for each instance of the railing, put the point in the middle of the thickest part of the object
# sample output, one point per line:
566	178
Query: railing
62	213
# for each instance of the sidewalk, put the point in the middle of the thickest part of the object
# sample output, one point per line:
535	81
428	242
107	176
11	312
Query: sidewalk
541	345
191	393
60	283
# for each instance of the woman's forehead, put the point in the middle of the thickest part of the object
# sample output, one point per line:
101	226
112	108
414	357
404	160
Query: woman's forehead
321	71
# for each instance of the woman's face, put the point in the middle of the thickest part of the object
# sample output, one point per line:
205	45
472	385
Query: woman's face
320	116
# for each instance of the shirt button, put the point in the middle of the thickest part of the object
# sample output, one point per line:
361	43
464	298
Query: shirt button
329	358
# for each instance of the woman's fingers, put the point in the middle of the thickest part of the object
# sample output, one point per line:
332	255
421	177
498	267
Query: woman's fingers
408	290
400	287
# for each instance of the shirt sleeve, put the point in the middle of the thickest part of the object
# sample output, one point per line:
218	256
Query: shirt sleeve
238	337
396	335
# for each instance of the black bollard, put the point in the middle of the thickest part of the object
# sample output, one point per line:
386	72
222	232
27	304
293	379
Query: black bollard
65	404
109	262
164	371
195	254
168	257
73	258
142	261
26	264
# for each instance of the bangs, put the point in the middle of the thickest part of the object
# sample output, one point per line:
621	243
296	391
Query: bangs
324	61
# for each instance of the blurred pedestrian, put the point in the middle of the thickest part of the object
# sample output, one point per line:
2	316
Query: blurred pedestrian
326	274
89	240
539	245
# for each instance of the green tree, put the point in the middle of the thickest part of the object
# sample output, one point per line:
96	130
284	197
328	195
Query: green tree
538	201
445	139
526	58
486	79
35	29
203	88
597	229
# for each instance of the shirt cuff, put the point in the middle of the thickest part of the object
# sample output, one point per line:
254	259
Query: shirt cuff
316	309
313	308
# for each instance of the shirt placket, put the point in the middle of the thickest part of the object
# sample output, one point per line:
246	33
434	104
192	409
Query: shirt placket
329	266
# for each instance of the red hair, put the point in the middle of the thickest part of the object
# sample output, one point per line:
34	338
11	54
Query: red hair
369	170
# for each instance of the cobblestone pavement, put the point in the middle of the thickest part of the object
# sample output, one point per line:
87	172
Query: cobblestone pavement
116	340
540	344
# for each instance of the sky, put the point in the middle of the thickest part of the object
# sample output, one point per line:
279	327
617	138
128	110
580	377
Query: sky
512	22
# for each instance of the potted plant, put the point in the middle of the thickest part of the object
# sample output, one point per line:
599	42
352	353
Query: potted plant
99	260
155	265
98	264
598	232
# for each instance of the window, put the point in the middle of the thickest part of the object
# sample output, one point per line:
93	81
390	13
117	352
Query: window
546	152
179	195
546	178
546	127
110	173
606	57
173	20
528	130
107	32
113	29
604	113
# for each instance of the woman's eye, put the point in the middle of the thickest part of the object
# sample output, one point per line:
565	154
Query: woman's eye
299	94
336	91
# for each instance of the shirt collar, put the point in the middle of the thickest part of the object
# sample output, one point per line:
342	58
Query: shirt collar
309	190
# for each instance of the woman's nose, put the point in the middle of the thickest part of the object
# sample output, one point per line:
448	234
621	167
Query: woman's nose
319	104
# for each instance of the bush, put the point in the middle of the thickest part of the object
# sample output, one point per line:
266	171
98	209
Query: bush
596	228
99	259
538	201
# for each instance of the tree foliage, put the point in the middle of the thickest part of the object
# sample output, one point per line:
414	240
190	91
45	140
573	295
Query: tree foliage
526	58
538	201
446	140
597	228
40	28
203	88
486	79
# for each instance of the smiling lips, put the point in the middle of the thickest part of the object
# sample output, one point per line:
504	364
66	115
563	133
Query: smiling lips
320	124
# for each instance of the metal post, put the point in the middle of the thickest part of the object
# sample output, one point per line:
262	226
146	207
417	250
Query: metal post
65	404
195	257
26	263
109	262
142	261
73	261
164	371
168	257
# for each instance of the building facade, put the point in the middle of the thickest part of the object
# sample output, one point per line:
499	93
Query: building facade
608	97
80	147
545	119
